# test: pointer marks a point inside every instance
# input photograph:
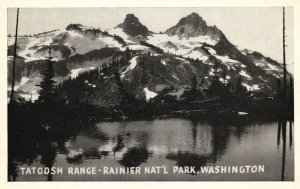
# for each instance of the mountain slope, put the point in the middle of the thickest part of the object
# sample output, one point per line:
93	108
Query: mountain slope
148	62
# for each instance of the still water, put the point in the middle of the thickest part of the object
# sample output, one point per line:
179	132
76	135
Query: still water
169	143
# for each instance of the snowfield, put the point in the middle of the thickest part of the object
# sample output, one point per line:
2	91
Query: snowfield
182	45
190	42
77	42
135	47
28	53
83	44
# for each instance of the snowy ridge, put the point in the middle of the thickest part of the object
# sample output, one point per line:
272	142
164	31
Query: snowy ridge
77	42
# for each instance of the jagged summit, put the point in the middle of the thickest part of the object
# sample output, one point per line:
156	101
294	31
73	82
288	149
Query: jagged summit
133	27
194	19
192	26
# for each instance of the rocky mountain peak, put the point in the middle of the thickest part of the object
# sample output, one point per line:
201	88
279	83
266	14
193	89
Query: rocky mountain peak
193	19
193	26
133	27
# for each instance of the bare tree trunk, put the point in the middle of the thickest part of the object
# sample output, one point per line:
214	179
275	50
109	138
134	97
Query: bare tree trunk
284	63
14	62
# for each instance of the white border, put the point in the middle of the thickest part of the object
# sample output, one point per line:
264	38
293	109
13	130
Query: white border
139	3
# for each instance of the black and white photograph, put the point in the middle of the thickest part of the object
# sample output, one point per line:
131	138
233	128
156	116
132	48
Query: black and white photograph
150	94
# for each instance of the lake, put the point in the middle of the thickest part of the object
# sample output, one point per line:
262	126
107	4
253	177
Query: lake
170	143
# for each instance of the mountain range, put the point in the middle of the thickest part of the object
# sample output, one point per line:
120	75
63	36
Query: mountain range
158	61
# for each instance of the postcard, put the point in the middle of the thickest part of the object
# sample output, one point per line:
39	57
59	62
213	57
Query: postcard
149	93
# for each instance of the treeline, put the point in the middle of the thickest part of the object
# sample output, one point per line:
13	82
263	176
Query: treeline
155	48
34	35
95	55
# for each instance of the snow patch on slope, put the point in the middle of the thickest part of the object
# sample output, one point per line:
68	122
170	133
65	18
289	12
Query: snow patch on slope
24	80
77	71
251	88
163	62
133	63
83	44
243	73
180	45
28	52
177	93
155	39
149	94
196	54
119	32
226	59
211	50
183	60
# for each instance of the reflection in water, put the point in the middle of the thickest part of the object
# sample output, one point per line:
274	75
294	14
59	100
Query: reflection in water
189	159
278	132
48	154
75	158
171	141
282	127
283	148
12	170
119	146
218	144
291	133
134	157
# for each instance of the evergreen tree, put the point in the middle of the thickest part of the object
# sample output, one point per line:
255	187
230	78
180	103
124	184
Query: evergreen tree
216	88
126	98
194	83
224	74
278	94
239	88
194	93
48	89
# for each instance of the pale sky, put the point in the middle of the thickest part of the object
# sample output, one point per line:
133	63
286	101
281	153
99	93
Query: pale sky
258	29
